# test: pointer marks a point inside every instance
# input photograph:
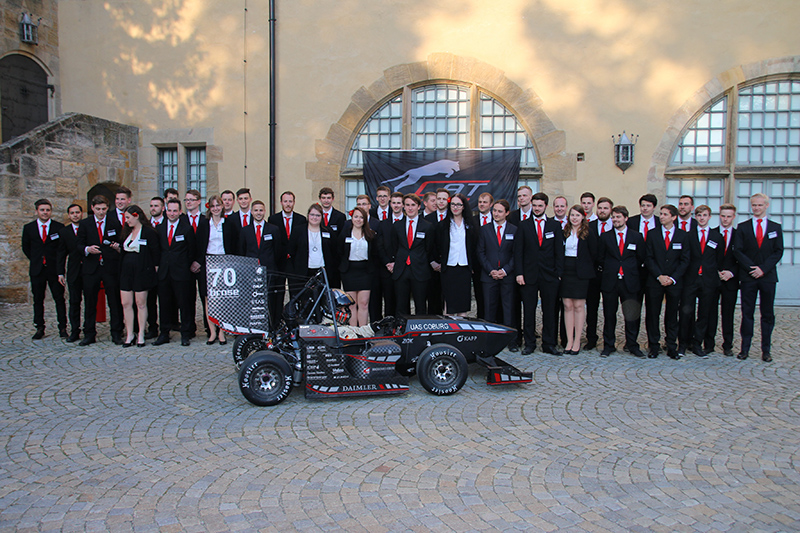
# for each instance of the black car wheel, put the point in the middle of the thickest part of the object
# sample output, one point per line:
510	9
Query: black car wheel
442	369
246	345
265	378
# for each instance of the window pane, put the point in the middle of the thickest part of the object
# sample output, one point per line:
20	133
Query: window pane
382	130
506	129
708	191
703	142
768	129
196	171
167	169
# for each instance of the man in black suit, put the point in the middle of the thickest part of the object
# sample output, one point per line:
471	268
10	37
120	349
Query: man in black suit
156	218
331	217
685	221
621	251
199	224
725	298
496	260
598	226
701	282
99	238
263	240
645	223
435	297
290	223
483	216
70	258
40	242
522	213
386	256
122	199
412	241
382	211
758	245
175	282
539	263
667	261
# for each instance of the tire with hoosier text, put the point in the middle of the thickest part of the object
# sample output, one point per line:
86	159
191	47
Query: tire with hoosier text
265	378
442	369
246	345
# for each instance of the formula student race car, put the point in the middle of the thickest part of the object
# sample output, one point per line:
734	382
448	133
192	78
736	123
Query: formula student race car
312	345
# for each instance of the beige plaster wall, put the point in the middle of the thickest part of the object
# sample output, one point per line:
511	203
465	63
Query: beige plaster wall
597	67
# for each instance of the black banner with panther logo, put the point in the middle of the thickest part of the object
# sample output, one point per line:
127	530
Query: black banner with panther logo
470	172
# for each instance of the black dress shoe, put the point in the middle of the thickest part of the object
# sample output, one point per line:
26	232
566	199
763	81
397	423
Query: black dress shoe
513	348
116	339
590	345
527	350
163	339
75	335
742	356
699	352
673	355
185	342
152	334
552	350
637	352
63	333
767	358
87	341
728	352
606	352
39	333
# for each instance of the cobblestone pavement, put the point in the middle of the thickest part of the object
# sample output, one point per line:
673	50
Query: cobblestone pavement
160	439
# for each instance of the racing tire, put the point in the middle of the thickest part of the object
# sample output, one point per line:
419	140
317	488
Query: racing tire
265	378
442	369
246	345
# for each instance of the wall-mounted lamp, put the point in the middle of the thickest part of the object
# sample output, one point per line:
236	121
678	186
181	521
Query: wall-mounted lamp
623	150
28	31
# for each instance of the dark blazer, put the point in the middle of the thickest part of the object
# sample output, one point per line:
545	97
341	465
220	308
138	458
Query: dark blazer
729	257
441	250
298	250
298	224
176	258
200	235
672	262
343	251
87	236
373	212
493	256
539	264
70	257
271	248
336	221
40	252
710	259
420	252
690	226
636	220
374	224
515	217
748	254
229	236
149	255
587	255
609	260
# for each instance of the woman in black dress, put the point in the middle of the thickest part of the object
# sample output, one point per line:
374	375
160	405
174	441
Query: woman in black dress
456	244
141	254
580	251
357	250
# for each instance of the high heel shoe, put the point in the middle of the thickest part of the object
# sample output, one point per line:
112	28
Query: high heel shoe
209	342
140	344
127	344
223	342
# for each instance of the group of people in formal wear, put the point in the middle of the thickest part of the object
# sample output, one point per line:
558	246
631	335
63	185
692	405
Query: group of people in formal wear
432	250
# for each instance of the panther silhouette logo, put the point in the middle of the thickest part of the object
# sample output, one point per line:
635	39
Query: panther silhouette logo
412	176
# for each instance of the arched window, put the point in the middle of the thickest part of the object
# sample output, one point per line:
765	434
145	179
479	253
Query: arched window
440	115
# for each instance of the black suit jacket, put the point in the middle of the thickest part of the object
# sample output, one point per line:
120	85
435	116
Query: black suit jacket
420	252
149	255
672	262
385	251
229	238
40	252
690	226
587	256
441	249
543	264
336	221
710	258
636	220
70	257
609	260
298	225
298	250
729	257
515	217
177	258
343	251
87	236
271	248
748	254
495	256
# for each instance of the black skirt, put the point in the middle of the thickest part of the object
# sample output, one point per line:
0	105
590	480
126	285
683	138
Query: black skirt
133	278
457	289
357	278
571	286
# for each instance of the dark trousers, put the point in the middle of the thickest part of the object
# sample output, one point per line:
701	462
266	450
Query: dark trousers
704	302
202	291
498	299
382	301
404	288
517	316
435	300
39	284
91	290
75	297
178	294
655	295
531	292
631	313
724	304
476	283
765	290
686	314
152	311
592	310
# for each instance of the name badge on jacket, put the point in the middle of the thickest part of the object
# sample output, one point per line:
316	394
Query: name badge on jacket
509	236
348	240
112	232
677	246
772	235
549	235
712	244
268	237
420	235
54	237
179	238
632	246
326	235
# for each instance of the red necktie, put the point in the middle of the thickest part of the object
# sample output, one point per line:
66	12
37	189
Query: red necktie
194	223
171	233
155	223
384	214
759	233
75	229
621	249
726	240
288	229
666	240
683	225
100	231
258	235
410	238
539	231
702	247
44	233
441	217
524	216
244	220
484	220
646	227
499	236
603	228
326	218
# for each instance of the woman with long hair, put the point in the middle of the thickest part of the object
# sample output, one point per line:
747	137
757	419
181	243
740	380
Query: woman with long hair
580	251
358	252
314	248
218	239
456	244
141	254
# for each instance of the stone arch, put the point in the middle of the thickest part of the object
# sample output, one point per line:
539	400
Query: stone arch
550	142
713	89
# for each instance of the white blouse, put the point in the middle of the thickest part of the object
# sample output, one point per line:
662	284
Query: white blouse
571	246
215	244
315	258
359	249
457	255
